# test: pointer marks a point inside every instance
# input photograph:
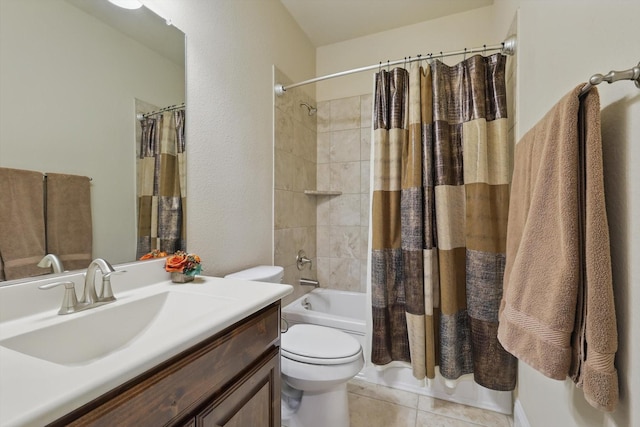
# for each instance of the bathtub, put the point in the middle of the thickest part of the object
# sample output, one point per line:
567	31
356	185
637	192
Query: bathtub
347	311
329	307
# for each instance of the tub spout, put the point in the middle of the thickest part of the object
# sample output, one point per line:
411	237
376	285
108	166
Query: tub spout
310	282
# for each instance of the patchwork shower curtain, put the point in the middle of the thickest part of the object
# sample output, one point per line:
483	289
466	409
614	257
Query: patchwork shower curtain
162	184
442	166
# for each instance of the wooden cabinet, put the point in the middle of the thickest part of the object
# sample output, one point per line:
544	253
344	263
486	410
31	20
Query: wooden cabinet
231	379
249	401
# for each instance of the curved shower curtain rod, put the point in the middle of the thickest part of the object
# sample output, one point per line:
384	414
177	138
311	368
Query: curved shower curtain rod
507	47
141	116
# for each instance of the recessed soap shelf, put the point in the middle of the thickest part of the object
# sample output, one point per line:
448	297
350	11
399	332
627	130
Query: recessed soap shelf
322	193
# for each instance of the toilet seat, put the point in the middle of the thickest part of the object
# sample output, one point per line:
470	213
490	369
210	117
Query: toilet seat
319	345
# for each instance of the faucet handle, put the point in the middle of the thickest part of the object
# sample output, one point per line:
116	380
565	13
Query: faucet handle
301	260
70	300
106	293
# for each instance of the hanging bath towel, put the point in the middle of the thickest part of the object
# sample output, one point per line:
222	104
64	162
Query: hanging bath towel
557	313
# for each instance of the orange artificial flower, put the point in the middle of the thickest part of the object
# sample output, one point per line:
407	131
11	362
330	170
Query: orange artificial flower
176	262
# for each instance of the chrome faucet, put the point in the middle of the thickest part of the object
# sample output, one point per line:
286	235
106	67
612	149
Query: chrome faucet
90	299
90	295
51	260
309	282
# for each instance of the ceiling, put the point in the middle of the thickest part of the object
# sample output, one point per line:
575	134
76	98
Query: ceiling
324	21
141	24
331	21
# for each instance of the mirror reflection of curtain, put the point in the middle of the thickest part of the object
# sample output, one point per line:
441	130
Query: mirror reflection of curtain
439	208
162	184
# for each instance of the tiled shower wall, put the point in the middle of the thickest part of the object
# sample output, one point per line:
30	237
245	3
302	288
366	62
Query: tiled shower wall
344	145
295	171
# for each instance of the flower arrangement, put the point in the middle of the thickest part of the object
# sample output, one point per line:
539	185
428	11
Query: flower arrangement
182	266
182	262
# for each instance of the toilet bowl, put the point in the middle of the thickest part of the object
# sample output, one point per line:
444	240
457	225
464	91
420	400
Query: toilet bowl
316	363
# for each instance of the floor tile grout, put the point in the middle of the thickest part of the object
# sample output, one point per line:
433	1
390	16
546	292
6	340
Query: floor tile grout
385	400
375	397
417	411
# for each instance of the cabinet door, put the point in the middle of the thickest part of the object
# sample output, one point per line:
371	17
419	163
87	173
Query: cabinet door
189	423
254	400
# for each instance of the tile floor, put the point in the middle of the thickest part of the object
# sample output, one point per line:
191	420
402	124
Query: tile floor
372	405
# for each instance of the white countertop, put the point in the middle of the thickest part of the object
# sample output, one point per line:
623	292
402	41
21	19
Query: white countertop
34	391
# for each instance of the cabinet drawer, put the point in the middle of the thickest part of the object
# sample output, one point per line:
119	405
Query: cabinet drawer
179	385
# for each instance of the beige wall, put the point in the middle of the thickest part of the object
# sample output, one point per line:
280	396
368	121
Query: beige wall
561	45
68	84
486	25
231	48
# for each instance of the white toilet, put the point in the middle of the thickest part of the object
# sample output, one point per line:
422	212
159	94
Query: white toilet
316	364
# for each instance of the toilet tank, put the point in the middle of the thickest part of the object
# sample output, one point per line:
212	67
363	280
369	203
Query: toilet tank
261	273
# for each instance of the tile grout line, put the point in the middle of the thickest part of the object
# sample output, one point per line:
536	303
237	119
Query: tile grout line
385	401
453	417
418	410
470	423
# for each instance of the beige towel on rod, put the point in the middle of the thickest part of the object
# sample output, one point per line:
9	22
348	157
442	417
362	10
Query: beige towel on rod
22	238
69	226
557	312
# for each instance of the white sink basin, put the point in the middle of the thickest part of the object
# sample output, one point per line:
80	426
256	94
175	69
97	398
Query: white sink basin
84	337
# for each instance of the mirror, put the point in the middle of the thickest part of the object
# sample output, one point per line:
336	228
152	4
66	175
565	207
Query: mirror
71	72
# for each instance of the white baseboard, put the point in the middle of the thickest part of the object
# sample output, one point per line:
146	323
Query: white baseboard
519	417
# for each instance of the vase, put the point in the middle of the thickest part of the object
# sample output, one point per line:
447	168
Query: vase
177	277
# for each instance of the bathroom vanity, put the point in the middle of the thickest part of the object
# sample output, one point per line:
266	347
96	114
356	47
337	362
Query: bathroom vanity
200	354
230	379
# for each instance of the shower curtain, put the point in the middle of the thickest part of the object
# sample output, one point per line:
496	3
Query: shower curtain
441	172
162	184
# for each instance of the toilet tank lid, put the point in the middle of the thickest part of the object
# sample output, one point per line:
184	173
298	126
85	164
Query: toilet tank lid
264	273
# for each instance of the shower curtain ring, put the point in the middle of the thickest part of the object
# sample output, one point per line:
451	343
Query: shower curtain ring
464	56
484	50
